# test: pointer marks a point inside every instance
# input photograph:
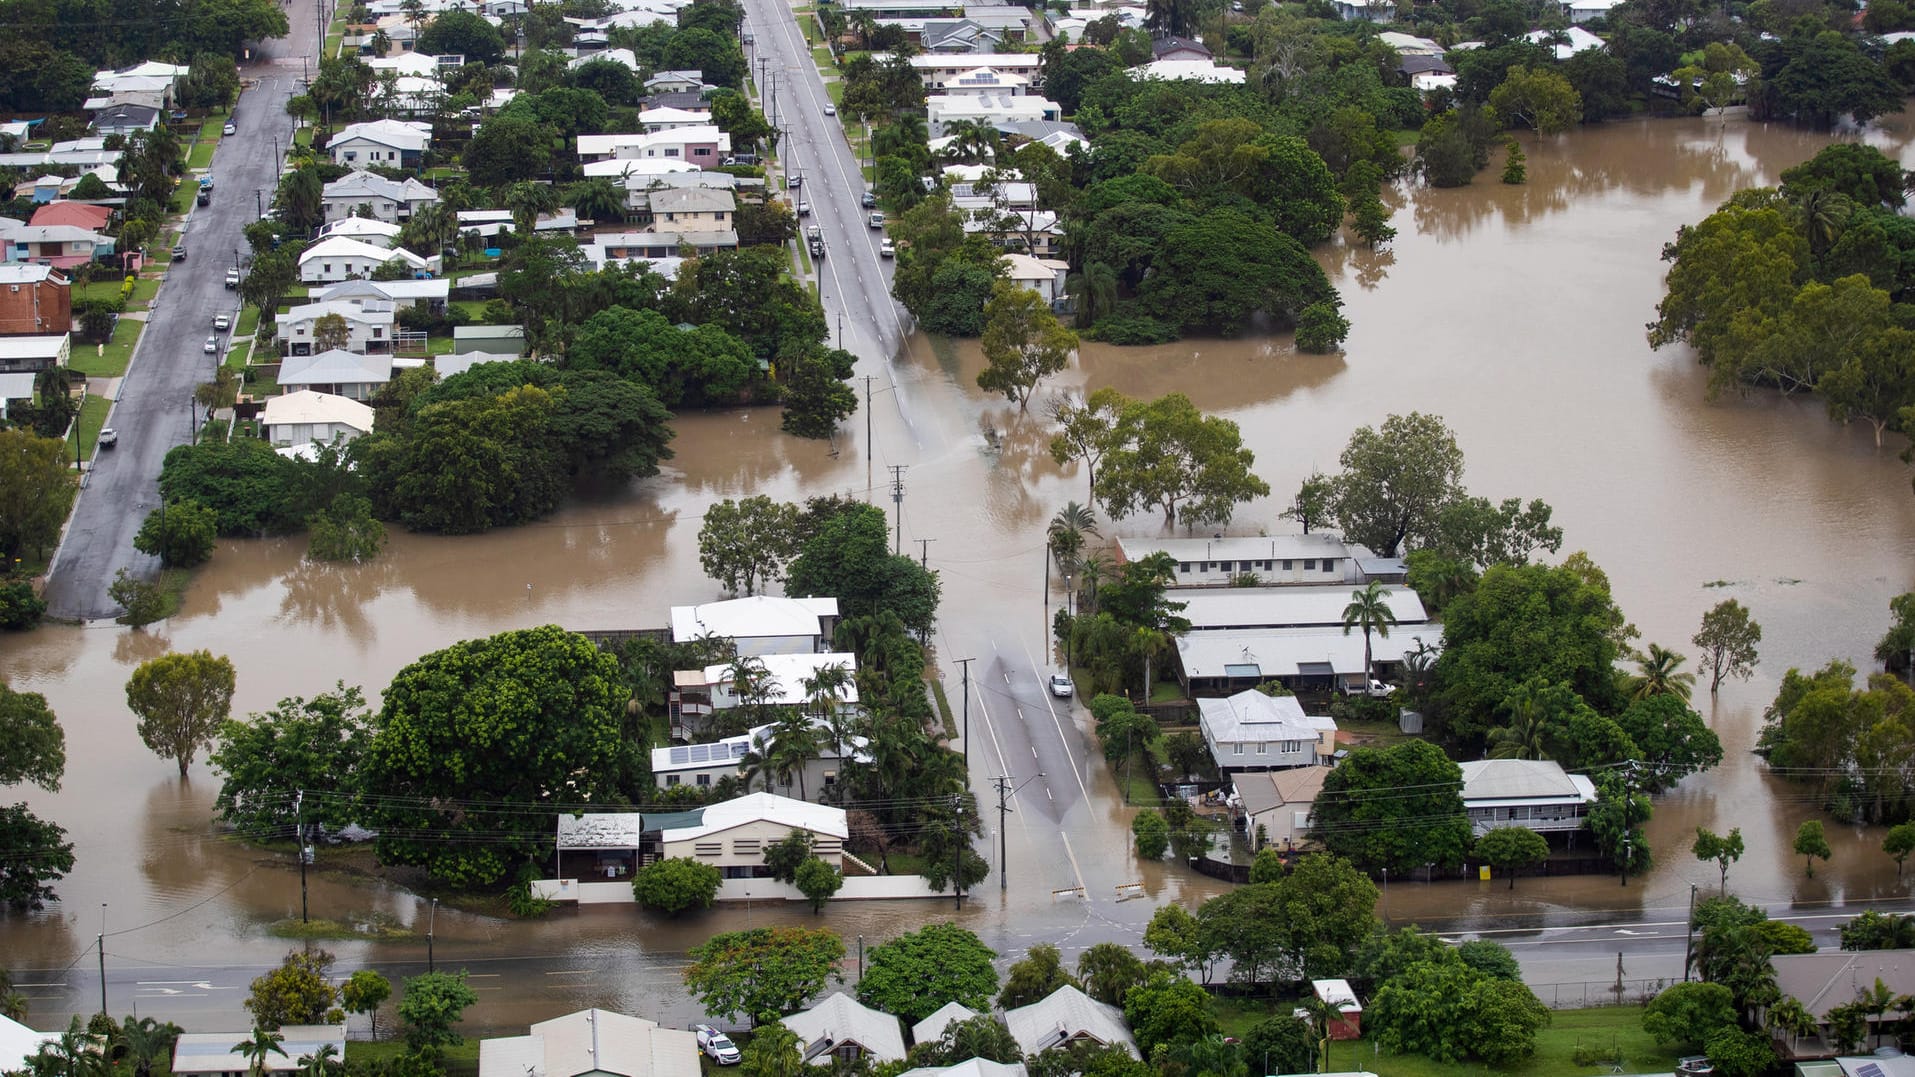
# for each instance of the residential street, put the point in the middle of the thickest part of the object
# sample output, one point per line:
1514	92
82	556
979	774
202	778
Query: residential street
154	411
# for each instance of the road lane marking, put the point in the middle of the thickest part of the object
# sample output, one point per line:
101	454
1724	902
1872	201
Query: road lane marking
1059	723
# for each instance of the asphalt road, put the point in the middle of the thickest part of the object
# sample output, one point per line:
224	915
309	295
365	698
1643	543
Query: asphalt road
154	411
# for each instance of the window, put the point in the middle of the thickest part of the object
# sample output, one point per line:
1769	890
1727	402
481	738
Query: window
377	333
673	152
1183	567
1310	566
1239	748
704	779
1292	747
671	780
1263	748
1286	566
701	153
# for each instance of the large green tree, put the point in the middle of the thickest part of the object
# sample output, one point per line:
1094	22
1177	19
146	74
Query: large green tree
431	1006
1212	272
470	736
676	884
314	746
1023	343
1396	481
32	750
849	557
36	490
1398	808
1451	1012
915	974
744	544
180	700
298	992
764	973
1170	456
1727	640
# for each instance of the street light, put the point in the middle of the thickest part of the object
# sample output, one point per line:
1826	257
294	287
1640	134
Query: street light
1070	618
432	919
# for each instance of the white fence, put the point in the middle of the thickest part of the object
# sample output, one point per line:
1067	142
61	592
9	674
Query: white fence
856	888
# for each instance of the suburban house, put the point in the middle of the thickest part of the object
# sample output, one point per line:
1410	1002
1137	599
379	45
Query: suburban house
945	109
639	188
1888	1061
1001	196
340	258
675	82
628	170
352	375
846	1029
982	80
1064	1017
701	691
62	245
732	835
689	100
1585	10
703	145
1253	731
600	845
460	362
369	325
504	341
488	223
18	1043
939	71
1338	995
1829	978
669	119
34	300
953	37
1426	73
1036	232
1170	47
1045	276
389	143
973	1067
1317	557
154	92
125	119
760	624
593	1043
1567	43
1189	71
617	248
32	354
93	218
427	294
694	209
388	200
306	417
1410	44
1533	793
706	764
370	230
211	1054
1242	636
931	1029
1277	804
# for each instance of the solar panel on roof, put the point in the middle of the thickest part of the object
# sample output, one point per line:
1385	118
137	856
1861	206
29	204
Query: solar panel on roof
680	755
1869	1069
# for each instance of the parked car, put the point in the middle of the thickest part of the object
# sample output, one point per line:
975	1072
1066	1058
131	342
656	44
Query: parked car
867	200
1061	685
814	232
817	248
1375	689
804	208
231	128
222	322
179	253
795	179
717	1045
109	438
232	277
830	109
876	220
1695	1066
887	249
212	345
205	196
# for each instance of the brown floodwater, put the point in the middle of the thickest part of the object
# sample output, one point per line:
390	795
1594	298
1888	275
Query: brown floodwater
1516	313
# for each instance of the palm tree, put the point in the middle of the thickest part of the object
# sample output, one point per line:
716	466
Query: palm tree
1066	534
1660	675
1093	292
752	686
1790	1016
596	199
1150	643
826	690
1820	214
794	742
75	1053
1096	568
1527	734
144	1045
1175	17
527	201
1212	1056
755	764
430	229
1370	611
322	1063
265	1042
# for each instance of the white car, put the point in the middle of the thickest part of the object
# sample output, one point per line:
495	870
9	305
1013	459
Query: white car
222	322
1061	685
230	128
717	1045
212	345
830	109
109	438
1375	689
887	249
804	208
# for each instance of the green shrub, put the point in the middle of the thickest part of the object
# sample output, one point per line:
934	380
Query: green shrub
19	606
1134	329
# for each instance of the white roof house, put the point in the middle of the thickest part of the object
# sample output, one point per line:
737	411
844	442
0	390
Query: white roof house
1064	1016
627	167
389	200
973	1067
760	624
348	374
785	673
400	293
19	1043
1247	656
1409	44
931	1029
1189	71
1253	731
339	257
366	230
820	819
211	1054
600	830
672	142
592	1043
1578	40
1318	557
665	119
1289	607
945	109
381	141
459	363
1533	793
297	418
34	353
1045	276
840	1025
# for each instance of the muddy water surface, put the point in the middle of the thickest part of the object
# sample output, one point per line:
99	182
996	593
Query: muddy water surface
1516	313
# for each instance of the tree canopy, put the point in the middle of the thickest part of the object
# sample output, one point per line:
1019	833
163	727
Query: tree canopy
915	974
764	973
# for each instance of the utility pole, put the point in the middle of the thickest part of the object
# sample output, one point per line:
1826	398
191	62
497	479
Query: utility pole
966	663
860	957
897	505
1689	936
924	556
867	405
100	943
432	921
957	850
1628	803
299	826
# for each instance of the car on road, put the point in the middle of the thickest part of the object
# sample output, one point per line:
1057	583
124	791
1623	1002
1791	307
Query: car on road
887	249
868	200
231	128
717	1045
232	277
814	232
830	109
1695	1066
109	438
212	345
222	322
876	220
804	208
795	179
1061	685
179	253
817	248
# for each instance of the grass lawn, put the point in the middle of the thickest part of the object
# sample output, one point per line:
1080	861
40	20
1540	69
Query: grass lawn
236	356
92	417
248	322
1382	734
144	289
202	156
261	386
461	1060
211	126
1166	692
944	709
474	309
183	197
89	360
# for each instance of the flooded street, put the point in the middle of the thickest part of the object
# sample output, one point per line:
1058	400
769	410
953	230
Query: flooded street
1516	313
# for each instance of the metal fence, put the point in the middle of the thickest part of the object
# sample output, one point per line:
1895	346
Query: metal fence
1576	995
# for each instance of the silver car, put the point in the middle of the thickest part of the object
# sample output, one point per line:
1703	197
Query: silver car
717	1045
